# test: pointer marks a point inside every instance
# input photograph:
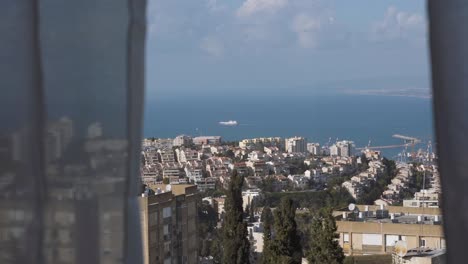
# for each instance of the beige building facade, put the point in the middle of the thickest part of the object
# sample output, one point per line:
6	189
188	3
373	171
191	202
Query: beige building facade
376	231
169	225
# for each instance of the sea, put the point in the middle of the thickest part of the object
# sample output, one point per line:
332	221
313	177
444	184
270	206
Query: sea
322	118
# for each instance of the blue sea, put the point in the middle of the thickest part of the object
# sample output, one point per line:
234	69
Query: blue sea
319	118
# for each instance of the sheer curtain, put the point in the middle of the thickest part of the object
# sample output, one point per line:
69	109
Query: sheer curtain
72	81
448	22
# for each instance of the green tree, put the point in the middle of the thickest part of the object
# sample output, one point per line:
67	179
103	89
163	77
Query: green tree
364	163
286	244
324	247
267	217
216	250
165	180
230	154
252	211
236	246
267	220
267	184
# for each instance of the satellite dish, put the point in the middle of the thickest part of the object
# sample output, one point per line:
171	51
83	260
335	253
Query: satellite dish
351	207
168	188
401	248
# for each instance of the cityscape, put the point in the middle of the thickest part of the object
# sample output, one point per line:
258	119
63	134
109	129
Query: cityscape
377	204
233	132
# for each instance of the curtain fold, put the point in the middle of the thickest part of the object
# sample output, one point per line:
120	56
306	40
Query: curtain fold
72	78
449	57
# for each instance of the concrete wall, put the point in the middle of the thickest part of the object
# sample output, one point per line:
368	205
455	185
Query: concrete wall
432	234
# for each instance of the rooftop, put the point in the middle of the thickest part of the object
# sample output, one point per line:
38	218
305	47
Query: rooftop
391	214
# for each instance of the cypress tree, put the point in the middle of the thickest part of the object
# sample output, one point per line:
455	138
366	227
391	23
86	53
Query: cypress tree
286	244
236	246
252	211
267	220
324	248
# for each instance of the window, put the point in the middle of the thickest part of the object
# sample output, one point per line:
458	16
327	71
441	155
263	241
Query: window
153	237
167	212
422	242
345	238
153	218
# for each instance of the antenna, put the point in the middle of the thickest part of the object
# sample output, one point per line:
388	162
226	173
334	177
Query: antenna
351	207
168	188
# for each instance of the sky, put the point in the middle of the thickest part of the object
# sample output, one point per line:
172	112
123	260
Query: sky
225	48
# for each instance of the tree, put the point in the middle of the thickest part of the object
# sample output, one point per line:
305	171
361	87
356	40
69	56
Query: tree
236	246
230	154
252	211
267	184
267	216
216	251
267	220
286	244
324	248
364	163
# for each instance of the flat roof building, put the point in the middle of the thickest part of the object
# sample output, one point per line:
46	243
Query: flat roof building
375	230
169	224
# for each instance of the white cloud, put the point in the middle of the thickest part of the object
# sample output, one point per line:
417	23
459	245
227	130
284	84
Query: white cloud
212	46
251	7
398	24
306	28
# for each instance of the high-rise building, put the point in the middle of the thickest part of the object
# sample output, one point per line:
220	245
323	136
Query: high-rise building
314	148
342	148
95	130
169	224
346	148
58	137
296	145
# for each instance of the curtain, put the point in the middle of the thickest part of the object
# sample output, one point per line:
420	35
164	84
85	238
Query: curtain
448	30
72	82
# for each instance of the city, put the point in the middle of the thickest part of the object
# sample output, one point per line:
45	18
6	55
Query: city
233	132
374	201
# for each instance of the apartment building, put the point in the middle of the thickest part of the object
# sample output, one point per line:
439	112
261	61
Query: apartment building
167	155
169	224
182	140
314	148
375	229
207	140
343	148
265	141
296	145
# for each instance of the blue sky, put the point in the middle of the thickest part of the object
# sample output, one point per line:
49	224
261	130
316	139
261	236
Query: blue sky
284	47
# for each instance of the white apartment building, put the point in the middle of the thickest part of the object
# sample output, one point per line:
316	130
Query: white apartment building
167	156
343	148
95	130
314	148
267	142
207	140
182	140
334	150
296	145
